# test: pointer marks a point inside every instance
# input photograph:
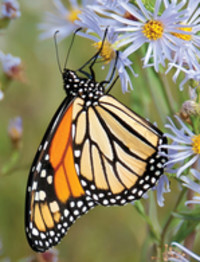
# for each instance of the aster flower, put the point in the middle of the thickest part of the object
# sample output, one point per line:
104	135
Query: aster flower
107	7
15	130
12	66
194	185
190	74
64	19
161	188
10	9
1	95
188	53
108	3
95	31
185	147
155	29
181	257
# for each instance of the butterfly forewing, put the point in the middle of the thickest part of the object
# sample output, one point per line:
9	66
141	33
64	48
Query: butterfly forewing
120	158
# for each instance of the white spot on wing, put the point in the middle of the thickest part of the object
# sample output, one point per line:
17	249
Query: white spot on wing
43	173
42	235
36	196
38	167
77	153
54	206
42	195
66	212
72	204
79	203
73	131
35	232
46	157
49	179
34	187
45	145
52	233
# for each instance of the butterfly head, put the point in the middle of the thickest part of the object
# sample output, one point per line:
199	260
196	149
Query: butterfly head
75	86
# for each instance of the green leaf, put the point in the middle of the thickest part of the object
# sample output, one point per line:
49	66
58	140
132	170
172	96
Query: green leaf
139	207
193	215
153	212
153	232
185	229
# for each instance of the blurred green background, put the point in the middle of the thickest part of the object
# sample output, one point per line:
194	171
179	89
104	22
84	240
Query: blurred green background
115	234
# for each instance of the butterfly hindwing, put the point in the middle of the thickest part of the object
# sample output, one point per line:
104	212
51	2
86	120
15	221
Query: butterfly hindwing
55	197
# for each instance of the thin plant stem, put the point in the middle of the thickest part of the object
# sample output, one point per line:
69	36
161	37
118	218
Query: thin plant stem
168	94
170	218
189	241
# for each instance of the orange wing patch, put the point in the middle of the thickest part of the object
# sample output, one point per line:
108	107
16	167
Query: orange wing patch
61	185
61	138
66	181
74	184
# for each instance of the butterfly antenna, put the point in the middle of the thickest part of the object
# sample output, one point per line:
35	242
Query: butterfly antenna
57	53
70	47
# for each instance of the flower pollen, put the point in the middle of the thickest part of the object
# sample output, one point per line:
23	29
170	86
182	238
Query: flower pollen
153	29
184	36
107	51
196	144
73	15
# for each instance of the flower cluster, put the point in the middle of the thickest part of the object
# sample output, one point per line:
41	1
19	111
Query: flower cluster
11	66
168	32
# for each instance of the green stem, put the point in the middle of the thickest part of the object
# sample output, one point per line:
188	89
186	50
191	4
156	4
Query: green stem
163	234
168	94
154	95
189	241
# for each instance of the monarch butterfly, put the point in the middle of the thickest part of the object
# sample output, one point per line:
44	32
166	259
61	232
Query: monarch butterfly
96	151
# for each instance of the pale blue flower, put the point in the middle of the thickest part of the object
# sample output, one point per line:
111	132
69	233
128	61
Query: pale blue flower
182	151
194	185
8	62
137	31
95	29
10	9
1	95
188	53
15	128
12	66
107	7
161	188
180	257
63	19
191	74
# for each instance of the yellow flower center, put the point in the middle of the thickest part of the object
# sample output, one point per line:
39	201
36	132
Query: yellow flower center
196	144
73	15
153	29
107	51
184	36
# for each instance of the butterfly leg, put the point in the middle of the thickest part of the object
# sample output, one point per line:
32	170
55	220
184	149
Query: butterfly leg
93	60
112	75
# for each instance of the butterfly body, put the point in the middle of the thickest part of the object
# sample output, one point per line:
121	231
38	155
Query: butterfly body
96	151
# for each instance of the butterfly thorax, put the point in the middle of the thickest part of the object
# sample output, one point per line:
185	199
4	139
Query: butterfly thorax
85	88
